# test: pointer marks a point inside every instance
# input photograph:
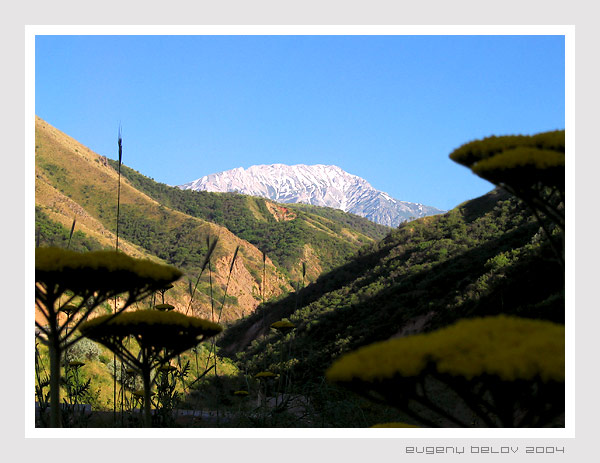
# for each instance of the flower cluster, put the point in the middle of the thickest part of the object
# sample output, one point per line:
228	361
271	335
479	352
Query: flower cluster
521	157
478	150
164	307
283	326
99	270
509	348
156	329
521	166
530	167
394	425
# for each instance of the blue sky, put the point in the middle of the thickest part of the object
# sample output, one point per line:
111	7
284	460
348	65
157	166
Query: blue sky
386	108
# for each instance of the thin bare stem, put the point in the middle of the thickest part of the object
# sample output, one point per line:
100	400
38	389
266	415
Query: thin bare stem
209	253
71	234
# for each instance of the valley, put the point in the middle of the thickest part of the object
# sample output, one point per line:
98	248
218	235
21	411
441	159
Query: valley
305	295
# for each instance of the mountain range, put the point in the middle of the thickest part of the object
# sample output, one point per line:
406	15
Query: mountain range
319	185
278	246
341	280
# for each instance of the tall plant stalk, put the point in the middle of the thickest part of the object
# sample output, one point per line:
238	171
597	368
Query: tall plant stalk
67	323
120	144
213	346
264	282
212	302
206	263
235	254
209	252
213	350
71	234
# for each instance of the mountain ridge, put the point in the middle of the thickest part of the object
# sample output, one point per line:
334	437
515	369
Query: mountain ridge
169	225
74	182
485	257
319	185
269	225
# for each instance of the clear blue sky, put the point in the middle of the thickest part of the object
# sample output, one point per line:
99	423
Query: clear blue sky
386	108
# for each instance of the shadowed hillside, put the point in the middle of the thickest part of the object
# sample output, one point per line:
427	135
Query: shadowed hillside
485	257
170	225
465	310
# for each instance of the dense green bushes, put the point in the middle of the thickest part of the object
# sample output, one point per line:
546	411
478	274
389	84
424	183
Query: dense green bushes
51	233
485	257
282	241
180	246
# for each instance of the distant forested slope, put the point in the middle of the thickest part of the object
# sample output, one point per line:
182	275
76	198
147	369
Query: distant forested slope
332	235
484	257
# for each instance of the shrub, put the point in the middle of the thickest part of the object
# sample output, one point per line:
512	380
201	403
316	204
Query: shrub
85	349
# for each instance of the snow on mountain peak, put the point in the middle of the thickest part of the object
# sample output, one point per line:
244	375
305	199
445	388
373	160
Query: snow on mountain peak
319	185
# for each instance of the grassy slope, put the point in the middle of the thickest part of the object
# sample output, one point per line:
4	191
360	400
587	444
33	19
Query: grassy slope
98	368
72	181
288	234
484	257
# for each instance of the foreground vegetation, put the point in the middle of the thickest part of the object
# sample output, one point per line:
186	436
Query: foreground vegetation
171	226
452	320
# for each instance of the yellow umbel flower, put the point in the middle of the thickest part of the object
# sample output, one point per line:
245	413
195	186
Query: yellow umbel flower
168	330
521	157
523	166
283	326
394	425
164	307
510	348
530	167
241	393
99	270
92	278
160	335
478	150
265	375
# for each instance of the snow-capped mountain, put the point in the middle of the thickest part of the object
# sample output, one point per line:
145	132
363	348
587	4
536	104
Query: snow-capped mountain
319	185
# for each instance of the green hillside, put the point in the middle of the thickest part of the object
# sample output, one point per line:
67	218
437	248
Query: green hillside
485	257
52	233
331	234
449	320
173	226
74	182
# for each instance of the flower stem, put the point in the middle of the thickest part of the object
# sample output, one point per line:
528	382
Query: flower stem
147	388
54	351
